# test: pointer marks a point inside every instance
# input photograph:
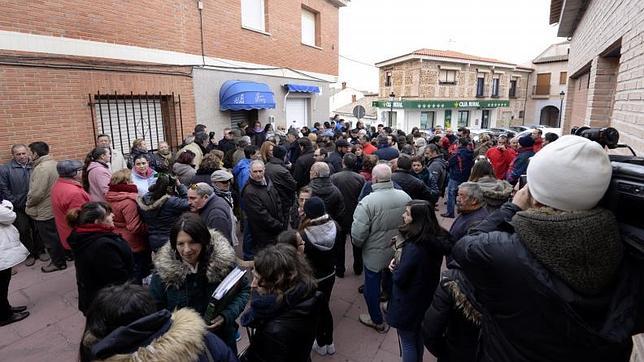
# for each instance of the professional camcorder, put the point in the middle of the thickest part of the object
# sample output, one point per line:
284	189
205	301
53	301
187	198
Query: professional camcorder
625	195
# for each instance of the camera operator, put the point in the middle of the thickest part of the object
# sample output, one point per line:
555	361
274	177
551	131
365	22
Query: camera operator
549	269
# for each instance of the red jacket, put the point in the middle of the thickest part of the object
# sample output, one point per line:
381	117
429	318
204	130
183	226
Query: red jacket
501	160
368	148
538	144
66	194
127	222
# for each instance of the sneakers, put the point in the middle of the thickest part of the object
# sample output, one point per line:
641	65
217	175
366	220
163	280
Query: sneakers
43	257
51	267
381	328
322	351
31	260
14	317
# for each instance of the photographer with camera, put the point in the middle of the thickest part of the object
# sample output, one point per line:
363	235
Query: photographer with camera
549	268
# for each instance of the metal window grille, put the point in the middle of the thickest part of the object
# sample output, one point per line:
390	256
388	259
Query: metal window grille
153	117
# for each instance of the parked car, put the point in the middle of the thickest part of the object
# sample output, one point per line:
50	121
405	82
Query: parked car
498	131
519	128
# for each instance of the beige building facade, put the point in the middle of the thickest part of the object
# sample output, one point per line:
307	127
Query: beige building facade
605	65
429	88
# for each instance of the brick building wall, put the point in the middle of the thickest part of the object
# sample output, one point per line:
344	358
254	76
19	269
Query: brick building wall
51	105
174	25
604	27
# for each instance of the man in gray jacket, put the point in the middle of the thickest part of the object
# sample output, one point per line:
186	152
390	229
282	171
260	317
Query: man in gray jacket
375	223
213	210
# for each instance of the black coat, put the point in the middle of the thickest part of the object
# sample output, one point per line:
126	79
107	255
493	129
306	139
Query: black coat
553	286
14	183
202	175
263	210
101	258
319	238
226	145
256	138
350	184
414	281
287	336
335	159
332	197
283	181
161	214
302	168
451	324
414	187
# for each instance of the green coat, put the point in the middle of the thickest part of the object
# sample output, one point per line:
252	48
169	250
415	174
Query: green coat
376	221
173	286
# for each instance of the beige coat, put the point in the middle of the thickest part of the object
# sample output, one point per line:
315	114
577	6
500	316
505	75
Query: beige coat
196	150
43	177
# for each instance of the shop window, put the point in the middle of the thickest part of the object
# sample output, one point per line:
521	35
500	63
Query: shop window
253	14
447	77
310	27
513	88
427	120
563	78
463	118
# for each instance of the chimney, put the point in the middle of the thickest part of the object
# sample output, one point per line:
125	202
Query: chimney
353	98
344	85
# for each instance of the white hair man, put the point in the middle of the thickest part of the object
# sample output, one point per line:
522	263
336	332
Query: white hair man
213	210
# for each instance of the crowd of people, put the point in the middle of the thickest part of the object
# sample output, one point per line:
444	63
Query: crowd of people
533	272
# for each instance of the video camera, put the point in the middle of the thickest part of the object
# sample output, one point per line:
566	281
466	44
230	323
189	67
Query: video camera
625	195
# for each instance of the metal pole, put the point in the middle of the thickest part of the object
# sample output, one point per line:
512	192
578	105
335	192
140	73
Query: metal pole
560	111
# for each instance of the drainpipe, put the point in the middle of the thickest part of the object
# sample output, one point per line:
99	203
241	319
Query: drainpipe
525	101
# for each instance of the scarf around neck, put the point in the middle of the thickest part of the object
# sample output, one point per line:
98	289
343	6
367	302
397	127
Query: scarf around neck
123	188
146	174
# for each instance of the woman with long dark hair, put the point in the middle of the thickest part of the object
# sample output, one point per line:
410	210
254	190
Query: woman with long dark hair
96	173
284	307
416	270
191	267
123	324
101	256
161	207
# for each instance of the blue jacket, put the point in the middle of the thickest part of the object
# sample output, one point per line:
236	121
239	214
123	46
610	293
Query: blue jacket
414	280
460	164
520	164
241	171
14	183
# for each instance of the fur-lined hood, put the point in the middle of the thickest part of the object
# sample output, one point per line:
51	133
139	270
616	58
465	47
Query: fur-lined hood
182	341
459	288
173	271
496	192
145	203
321	232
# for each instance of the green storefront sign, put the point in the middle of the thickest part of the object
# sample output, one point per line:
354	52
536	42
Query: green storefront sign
419	104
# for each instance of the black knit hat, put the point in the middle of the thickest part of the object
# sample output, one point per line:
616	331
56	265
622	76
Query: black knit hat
314	207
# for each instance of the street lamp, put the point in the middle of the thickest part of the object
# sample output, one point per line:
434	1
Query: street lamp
392	97
562	94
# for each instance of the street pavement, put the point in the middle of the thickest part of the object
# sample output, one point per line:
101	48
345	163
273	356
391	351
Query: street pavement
53	330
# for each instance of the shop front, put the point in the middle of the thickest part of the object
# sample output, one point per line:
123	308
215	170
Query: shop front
428	114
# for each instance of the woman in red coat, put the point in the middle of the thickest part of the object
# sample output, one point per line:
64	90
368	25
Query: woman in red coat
121	196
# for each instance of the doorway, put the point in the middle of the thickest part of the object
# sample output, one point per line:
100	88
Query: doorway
485	119
549	116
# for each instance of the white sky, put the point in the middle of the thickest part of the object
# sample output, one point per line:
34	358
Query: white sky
374	30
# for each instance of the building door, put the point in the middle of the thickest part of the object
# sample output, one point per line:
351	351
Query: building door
485	119
427	120
248	117
448	119
297	112
549	116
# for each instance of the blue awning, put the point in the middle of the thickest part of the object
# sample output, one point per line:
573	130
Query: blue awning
302	88
237	95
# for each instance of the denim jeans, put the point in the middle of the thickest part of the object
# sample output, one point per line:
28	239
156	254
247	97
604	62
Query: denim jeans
452	191
372	294
411	345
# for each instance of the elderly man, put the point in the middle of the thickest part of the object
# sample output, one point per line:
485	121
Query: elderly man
375	222
14	186
263	209
221	182
118	161
213	210
322	187
559	267
470	204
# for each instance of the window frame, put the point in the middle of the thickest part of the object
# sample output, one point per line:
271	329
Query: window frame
563	78
446	72
480	86
467	118
430	121
388	77
496	85
512	93
245	19
316	26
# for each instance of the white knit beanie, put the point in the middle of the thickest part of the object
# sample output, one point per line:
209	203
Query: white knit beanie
571	173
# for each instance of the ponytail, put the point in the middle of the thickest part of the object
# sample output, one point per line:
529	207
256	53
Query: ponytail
88	213
92	156
72	217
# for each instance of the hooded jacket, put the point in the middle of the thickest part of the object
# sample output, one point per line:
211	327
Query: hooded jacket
570	267
376	221
414	187
496	192
173	286
99	176
319	238
66	194
283	181
332	197
437	168
162	336
102	258
241	172
43	177
184	172
12	251
452	323
263	209
14	183
127	221
161	214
